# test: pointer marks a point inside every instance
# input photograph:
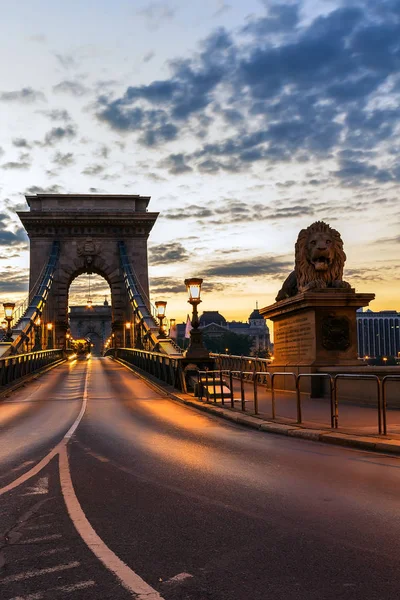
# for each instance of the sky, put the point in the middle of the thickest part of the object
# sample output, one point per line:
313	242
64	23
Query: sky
244	121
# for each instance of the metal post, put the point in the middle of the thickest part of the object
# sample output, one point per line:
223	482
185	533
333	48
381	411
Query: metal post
335	404
273	396
221	381
379	405
242	394
214	389
255	392
298	398
384	406
231	386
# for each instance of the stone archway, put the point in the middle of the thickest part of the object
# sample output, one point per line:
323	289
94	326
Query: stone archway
88	228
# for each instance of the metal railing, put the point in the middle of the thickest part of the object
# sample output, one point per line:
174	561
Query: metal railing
334	413
276	374
358	377
210	381
167	369
384	381
13	368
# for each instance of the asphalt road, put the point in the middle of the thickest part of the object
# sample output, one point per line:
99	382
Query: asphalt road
148	498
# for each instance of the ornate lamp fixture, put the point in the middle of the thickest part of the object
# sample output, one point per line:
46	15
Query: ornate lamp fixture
161	306
196	348
8	313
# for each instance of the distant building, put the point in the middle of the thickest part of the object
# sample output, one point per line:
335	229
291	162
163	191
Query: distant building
91	323
215	325
378	333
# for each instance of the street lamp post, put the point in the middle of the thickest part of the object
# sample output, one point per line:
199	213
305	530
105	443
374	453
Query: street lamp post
8	313
161	306
172	329
38	341
127	335
50	336
196	348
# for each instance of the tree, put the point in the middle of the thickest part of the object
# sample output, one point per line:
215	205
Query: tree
228	343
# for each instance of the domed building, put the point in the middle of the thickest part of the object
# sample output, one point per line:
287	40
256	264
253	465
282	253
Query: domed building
215	325
256	328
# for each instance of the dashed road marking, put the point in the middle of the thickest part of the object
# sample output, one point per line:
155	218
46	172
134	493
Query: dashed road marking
80	585
40	487
39	526
128	578
178	578
36	596
40	572
43	538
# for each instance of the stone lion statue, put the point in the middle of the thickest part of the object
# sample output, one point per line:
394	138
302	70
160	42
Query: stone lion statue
319	261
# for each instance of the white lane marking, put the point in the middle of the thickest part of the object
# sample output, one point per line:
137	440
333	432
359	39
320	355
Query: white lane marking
81	585
43	538
39	526
36	596
45	461
129	579
34	471
40	487
39	572
180	577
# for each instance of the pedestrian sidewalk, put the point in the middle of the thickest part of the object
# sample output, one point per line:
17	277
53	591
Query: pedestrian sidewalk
364	438
358	425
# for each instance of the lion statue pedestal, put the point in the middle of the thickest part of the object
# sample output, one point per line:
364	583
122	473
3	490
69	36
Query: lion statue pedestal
315	313
317	328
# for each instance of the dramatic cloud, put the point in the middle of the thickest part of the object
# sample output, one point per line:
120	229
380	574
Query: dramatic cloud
25	96
170	286
66	61
235	211
8	237
286	89
57	114
74	88
12	282
156	13
166	285
168	253
273	267
16	166
51	189
58	134
63	160
21	143
93	169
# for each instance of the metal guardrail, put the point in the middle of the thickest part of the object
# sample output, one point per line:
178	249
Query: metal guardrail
273	375
215	379
334	412
161	366
384	403
13	368
360	377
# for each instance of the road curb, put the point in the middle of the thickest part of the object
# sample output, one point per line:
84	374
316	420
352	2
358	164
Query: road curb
380	444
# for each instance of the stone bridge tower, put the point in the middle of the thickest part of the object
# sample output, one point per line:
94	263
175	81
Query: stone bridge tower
88	228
